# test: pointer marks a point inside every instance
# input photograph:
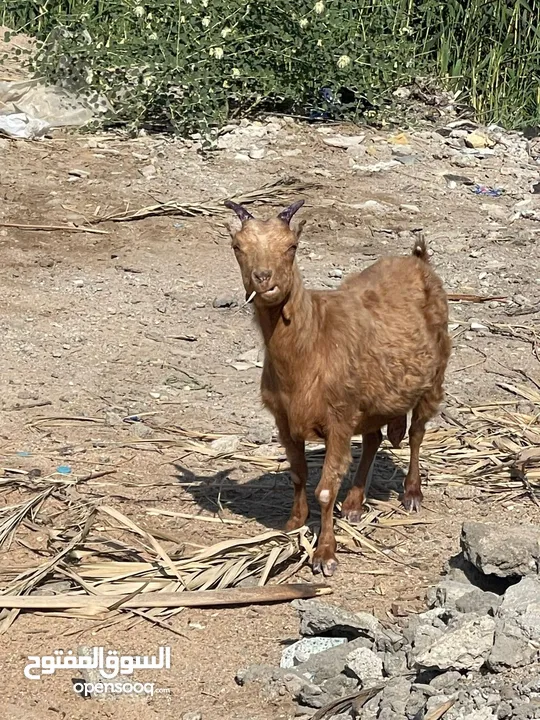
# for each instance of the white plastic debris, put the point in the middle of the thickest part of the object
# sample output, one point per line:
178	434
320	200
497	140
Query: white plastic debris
23	127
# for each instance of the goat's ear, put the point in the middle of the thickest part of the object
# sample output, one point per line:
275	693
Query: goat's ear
297	229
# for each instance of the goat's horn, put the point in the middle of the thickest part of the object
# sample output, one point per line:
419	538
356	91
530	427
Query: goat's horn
242	213
287	214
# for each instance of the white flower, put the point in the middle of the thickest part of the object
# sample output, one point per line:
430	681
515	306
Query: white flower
343	62
139	10
204	3
206	21
319	7
235	72
152	36
216	52
319	43
304	22
225	32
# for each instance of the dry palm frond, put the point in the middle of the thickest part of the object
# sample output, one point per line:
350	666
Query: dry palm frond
280	190
151	589
13	516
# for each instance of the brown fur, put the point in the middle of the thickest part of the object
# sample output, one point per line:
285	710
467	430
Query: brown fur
345	362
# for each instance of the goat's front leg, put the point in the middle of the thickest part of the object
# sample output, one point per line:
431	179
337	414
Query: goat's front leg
295	451
336	464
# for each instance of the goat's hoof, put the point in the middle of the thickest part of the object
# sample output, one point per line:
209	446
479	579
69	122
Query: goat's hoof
352	516
327	567
412	501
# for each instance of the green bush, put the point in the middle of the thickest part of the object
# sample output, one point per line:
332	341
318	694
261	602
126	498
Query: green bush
191	65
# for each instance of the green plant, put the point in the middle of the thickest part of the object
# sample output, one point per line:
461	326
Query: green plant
191	65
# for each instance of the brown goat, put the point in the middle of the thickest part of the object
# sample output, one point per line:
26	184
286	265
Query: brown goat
344	362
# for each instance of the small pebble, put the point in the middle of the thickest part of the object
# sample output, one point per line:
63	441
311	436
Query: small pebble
225	301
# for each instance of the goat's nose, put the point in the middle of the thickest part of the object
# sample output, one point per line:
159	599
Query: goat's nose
262	275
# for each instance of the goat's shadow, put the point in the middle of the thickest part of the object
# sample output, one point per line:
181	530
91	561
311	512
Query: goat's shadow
267	498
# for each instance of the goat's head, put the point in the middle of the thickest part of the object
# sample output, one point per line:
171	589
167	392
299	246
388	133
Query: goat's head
265	251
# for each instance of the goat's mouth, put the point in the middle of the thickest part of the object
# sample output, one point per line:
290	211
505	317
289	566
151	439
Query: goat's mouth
270	294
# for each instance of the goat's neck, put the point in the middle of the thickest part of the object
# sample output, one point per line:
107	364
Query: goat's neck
288	330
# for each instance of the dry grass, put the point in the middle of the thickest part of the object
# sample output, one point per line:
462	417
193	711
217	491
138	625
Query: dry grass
279	191
100	552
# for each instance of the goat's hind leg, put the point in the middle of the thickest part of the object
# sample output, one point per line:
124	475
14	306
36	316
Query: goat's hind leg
353	505
424	411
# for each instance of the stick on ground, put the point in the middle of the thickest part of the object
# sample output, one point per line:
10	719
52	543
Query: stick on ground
200	598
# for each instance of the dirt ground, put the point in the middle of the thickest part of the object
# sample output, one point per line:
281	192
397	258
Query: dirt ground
95	326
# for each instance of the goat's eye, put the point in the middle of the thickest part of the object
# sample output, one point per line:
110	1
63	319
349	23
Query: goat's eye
292	249
236	249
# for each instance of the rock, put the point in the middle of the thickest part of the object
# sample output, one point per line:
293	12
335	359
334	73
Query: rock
446	593
518	627
373	206
344	141
274	682
459	569
413	209
365	665
192	716
479	602
396	696
446	680
226	444
312	696
257	153
402	150
339	686
502	551
225	301
318	618
436	701
483	714
300	652
424	637
394	663
478	326
148	171
389	714
477	140
504	711
332	662
415	704
510	649
335	273
389	640
464	647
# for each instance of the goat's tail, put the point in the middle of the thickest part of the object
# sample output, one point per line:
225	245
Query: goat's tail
420	248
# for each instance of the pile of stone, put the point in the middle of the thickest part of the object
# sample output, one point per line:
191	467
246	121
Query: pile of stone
473	655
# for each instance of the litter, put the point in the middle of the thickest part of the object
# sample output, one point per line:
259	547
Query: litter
487	190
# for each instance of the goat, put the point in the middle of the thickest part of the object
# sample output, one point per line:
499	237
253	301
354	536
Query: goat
343	362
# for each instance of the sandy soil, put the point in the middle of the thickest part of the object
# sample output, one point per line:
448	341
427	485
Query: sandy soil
92	327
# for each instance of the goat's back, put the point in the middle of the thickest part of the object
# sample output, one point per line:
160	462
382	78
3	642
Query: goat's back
385	334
